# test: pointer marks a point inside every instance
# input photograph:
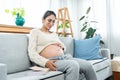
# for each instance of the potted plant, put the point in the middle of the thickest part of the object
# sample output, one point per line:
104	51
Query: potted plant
65	25
19	13
87	28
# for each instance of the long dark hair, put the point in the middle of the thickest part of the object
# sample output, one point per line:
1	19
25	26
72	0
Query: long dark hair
48	13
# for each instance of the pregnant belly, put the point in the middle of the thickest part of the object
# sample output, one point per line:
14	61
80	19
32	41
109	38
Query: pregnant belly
51	51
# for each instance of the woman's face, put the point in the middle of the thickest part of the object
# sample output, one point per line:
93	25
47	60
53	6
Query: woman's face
49	21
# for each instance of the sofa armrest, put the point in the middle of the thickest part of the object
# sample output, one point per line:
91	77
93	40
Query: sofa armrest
3	72
105	52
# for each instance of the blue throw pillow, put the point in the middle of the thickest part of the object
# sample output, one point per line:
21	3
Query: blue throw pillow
88	48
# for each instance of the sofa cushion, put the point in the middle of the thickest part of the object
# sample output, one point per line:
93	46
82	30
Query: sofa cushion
68	42
36	75
100	64
87	48
13	52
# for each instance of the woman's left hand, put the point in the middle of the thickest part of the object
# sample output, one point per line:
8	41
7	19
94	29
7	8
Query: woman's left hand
51	65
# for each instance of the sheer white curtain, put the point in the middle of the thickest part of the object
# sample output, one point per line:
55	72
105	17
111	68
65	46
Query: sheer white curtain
114	25
34	10
99	15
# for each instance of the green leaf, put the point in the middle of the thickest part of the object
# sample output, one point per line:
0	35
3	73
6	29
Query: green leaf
88	10
60	26
67	24
21	12
85	24
90	33
7	11
102	42
84	28
82	18
15	11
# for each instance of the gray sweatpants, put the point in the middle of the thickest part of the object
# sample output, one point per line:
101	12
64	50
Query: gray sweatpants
72	67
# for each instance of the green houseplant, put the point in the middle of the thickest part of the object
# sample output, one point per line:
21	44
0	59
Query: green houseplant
16	11
19	13
65	25
87	28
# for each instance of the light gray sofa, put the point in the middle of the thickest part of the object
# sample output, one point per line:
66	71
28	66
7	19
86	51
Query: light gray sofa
15	63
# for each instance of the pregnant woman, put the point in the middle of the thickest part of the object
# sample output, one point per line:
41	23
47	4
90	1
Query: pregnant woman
46	50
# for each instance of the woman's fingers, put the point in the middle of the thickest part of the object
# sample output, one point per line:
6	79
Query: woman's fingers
51	65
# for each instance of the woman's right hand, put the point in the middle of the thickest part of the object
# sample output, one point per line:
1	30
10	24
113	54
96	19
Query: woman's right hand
51	65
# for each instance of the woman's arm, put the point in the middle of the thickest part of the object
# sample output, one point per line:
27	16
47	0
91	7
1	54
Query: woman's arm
32	50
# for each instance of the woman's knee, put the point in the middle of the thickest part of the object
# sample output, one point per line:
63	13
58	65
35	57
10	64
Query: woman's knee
64	65
86	66
73	64
84	63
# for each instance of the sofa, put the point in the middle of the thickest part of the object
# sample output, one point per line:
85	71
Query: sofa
15	63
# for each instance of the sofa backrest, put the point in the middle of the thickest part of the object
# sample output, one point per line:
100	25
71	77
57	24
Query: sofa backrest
68	41
13	51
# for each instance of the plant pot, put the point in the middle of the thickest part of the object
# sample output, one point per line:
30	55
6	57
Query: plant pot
19	20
